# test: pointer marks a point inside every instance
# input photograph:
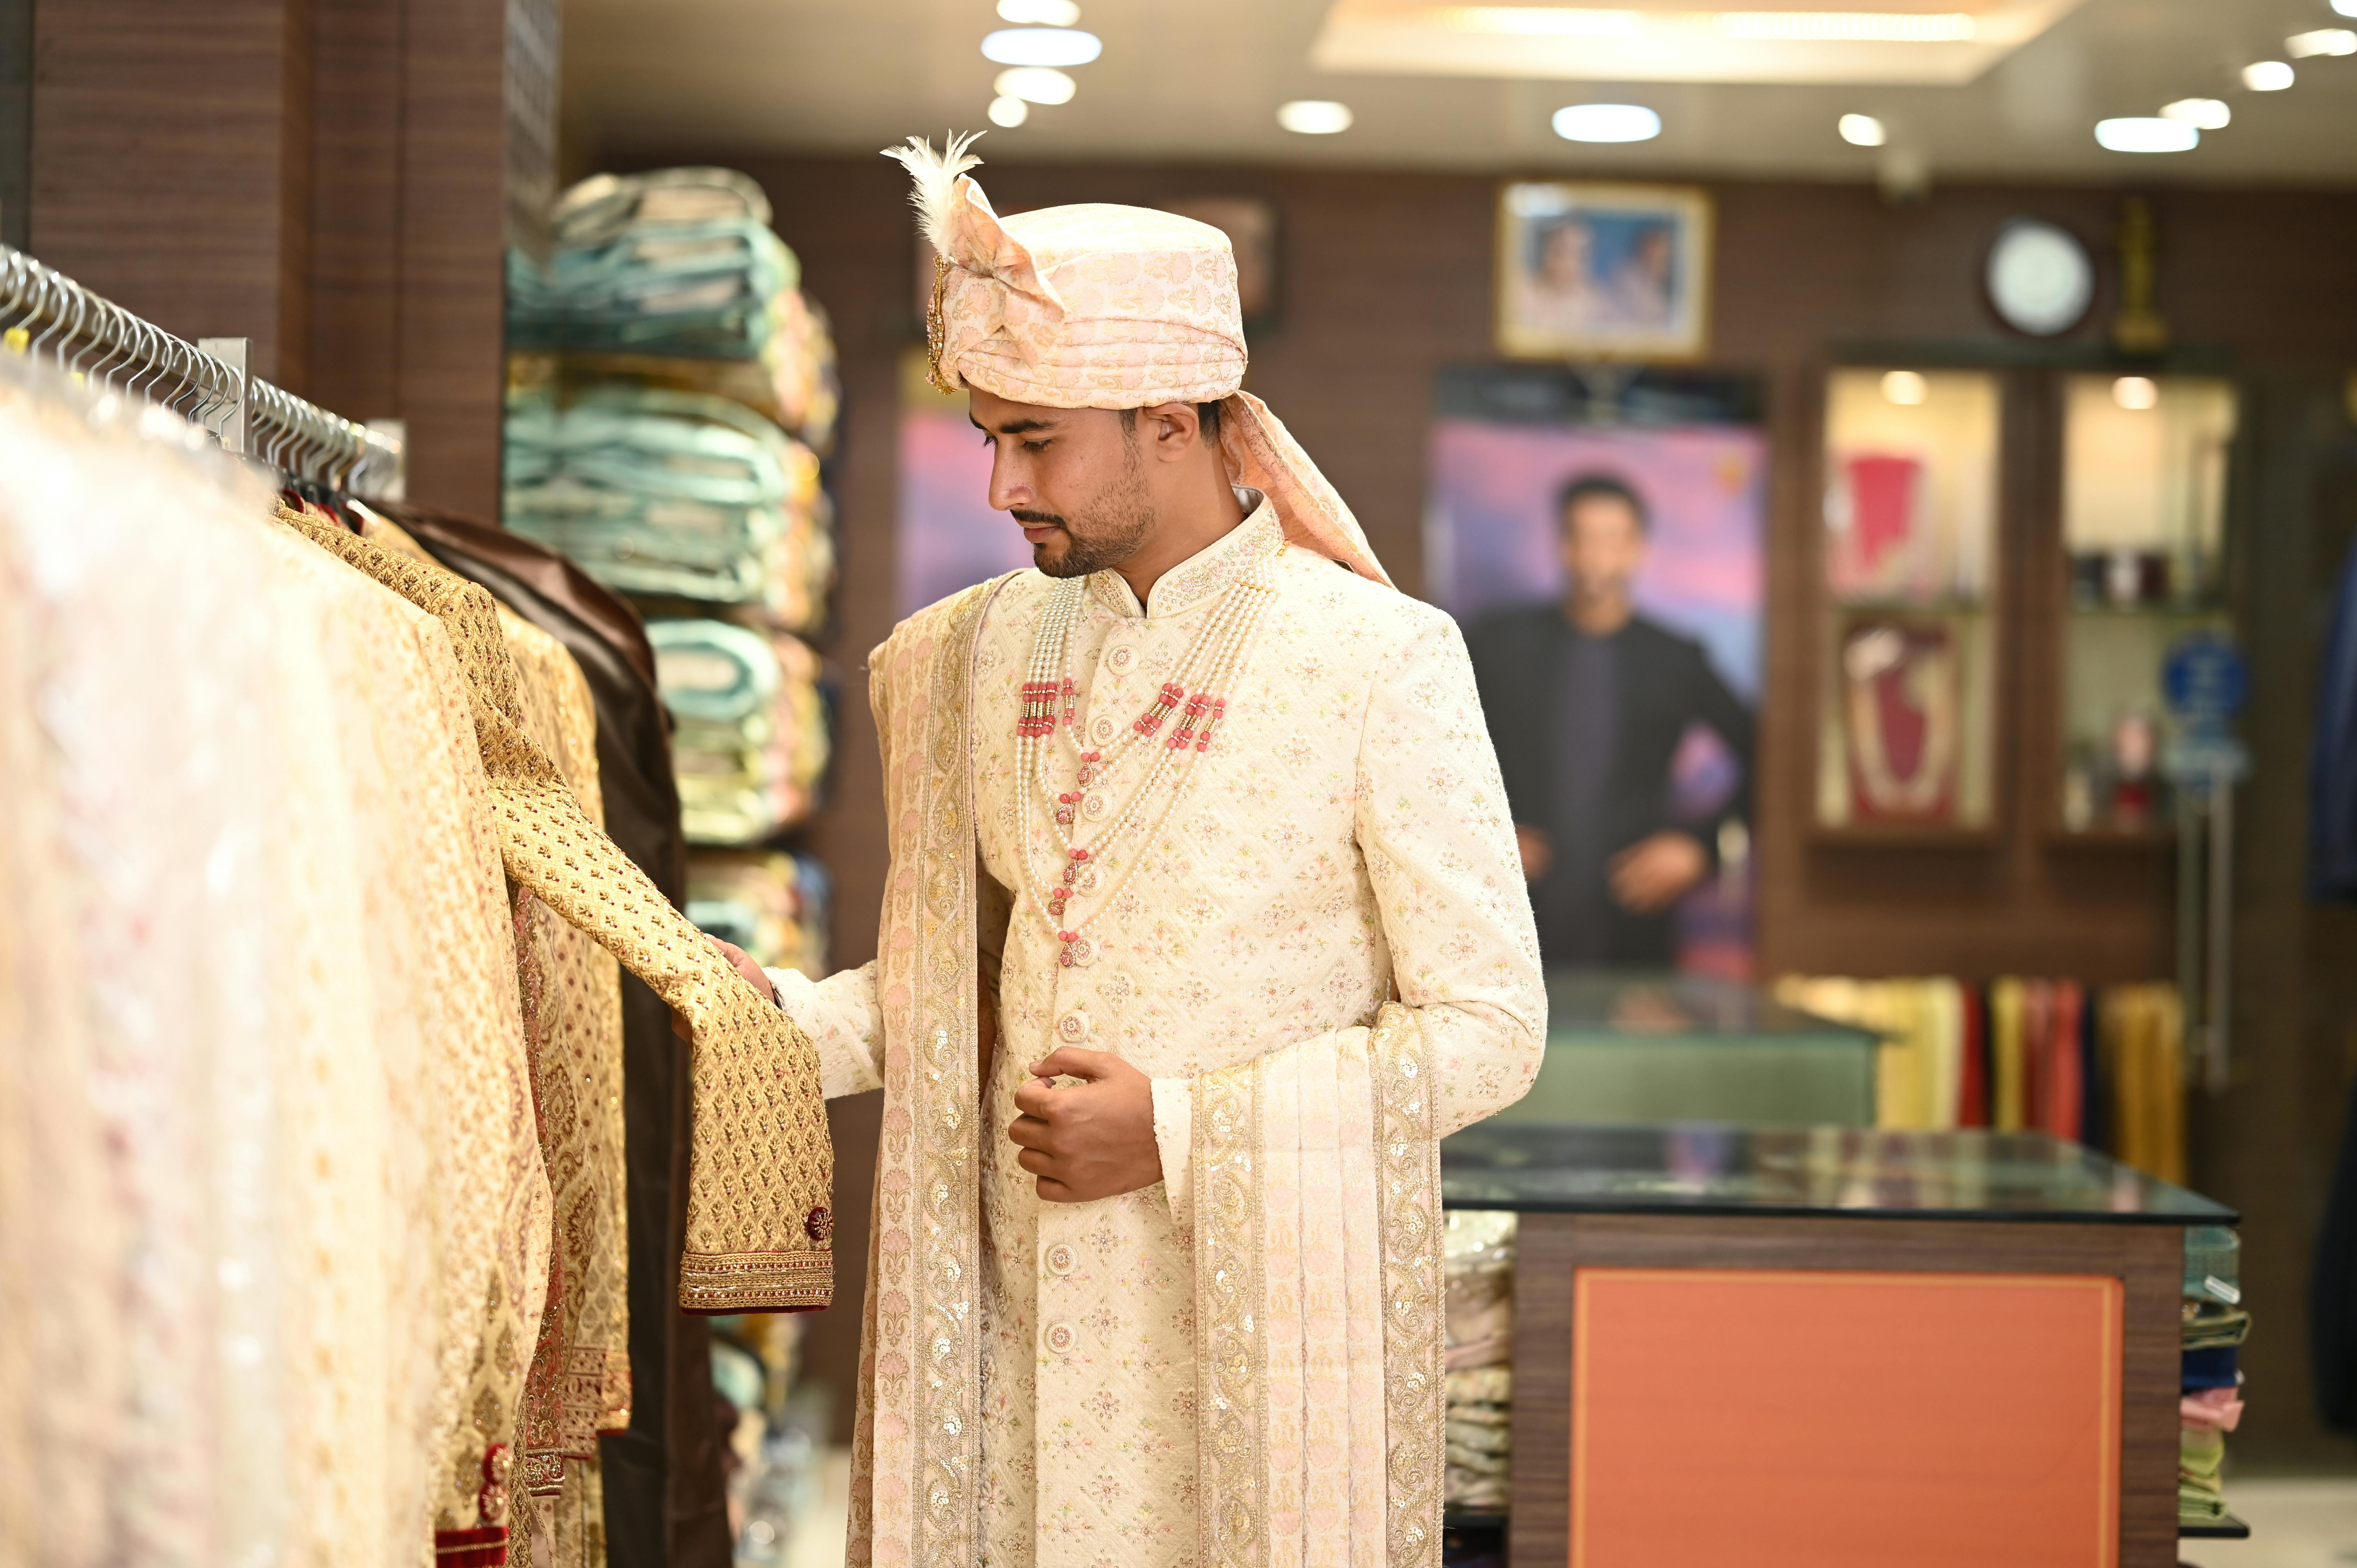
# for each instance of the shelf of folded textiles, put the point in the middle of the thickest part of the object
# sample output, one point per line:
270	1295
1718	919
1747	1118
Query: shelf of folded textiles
1906	836
2226	1526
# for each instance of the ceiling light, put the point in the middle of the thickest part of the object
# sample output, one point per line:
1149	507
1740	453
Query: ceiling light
1039	13
2147	133
1905	388
1607	122
1314	116
1863	131
1036	84
1540	21
2136	393
1041	46
2267	76
2203	113
2346	7
2323	41
1008	111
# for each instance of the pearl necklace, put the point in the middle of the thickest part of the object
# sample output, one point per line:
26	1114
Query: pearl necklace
1050	704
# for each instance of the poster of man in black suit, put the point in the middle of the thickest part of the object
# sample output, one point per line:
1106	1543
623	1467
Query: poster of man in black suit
1589	701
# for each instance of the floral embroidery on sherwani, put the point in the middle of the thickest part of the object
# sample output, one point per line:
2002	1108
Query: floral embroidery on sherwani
1238	1365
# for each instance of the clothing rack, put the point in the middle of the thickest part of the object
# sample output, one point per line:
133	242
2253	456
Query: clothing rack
46	314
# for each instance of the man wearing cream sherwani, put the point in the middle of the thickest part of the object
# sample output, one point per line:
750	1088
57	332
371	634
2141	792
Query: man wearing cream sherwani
1201	822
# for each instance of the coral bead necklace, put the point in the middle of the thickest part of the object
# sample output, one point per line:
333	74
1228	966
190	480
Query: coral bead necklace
1197	691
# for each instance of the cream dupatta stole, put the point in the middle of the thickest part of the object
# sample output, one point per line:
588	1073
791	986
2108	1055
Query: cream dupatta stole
1318	1264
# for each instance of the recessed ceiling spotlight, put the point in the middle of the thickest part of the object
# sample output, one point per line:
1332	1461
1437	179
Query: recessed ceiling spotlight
2267	76
1314	116
2136	393
2346	7
1039	13
1008	111
2201	114
1908	389
1041	46
2147	133
1035	84
2322	41
1607	122
1863	131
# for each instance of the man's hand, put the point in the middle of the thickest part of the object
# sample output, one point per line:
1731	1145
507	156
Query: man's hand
1651	874
1538	849
755	976
1088	1139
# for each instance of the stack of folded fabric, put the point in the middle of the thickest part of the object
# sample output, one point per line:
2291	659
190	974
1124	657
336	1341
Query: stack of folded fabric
1479	1247
751	744
770	902
679	495
2210	1404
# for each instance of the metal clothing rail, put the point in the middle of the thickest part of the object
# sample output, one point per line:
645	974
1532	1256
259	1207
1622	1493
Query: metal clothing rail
48	313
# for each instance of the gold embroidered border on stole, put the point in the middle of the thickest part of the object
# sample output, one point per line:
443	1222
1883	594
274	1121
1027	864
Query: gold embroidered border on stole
1231	1363
918	1445
1407	1190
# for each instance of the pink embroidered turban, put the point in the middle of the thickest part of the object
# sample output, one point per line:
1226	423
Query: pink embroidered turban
1104	306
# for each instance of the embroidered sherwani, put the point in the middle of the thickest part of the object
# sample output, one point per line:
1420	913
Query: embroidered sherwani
1239	1364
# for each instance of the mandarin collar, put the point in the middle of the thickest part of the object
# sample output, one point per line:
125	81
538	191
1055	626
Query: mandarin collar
1210	571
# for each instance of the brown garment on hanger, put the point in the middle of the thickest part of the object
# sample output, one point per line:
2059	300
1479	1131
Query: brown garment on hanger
760	1169
666	1501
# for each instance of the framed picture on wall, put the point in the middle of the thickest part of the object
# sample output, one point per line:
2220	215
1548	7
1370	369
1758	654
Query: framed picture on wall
1603	272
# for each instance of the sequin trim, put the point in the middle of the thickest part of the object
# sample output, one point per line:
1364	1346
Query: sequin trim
755	1282
1231	1367
1407	1194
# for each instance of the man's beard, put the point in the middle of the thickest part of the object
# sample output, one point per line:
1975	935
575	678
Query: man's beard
1104	535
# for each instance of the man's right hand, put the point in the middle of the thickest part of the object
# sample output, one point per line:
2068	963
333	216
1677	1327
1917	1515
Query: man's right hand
742	961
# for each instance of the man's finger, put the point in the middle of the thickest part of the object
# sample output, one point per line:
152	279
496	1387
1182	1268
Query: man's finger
1051	1190
1035	1097
1035	1163
1070	1061
1029	1132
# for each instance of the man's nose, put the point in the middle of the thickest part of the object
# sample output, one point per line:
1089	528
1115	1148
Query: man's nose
1007	489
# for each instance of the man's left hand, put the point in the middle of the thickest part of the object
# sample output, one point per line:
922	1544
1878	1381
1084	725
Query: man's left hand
1652	873
1088	1139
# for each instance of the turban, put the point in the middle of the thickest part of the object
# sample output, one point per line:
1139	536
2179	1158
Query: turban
1103	306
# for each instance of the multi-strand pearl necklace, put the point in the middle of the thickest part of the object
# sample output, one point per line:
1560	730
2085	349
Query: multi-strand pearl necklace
1051	704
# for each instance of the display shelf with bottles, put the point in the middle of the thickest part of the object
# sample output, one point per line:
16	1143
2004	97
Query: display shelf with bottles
2144	541
1908	639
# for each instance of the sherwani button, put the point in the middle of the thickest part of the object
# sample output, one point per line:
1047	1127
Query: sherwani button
1061	1337
1072	1028
1121	658
1059	1260
1093	804
1102	731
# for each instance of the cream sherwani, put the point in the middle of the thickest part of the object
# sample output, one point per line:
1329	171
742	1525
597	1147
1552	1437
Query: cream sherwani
1240	1364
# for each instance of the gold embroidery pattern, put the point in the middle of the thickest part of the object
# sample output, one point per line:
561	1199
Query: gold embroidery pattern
1407	1194
1232	1417
761	1159
921	1355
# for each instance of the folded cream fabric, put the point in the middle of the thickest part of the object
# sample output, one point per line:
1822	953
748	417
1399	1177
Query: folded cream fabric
761	1173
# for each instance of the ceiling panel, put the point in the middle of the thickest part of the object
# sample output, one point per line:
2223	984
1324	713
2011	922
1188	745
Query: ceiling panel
1200	81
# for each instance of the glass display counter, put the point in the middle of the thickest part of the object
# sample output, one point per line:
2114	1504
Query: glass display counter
1689	1346
1651	1048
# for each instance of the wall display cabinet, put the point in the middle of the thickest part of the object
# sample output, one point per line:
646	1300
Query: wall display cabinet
1907	634
2143	541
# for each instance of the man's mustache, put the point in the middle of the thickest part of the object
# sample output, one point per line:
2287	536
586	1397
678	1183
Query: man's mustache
1040	520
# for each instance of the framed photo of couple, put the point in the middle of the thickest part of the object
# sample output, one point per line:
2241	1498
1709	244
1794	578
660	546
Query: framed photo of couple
1603	272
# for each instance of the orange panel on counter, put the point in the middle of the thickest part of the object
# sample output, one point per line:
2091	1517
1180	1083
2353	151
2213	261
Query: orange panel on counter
1829	1419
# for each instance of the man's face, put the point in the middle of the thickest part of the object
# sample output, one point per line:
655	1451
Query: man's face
1603	546
1072	477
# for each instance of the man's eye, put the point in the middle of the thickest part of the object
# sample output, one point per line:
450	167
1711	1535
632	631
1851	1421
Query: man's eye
1035	446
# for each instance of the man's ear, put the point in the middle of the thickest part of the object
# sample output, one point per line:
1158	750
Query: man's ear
1173	429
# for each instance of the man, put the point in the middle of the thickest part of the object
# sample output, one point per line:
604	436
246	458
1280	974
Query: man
1156	1275
1589	701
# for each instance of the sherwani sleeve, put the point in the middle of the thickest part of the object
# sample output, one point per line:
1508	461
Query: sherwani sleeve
1442	866
840	1015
